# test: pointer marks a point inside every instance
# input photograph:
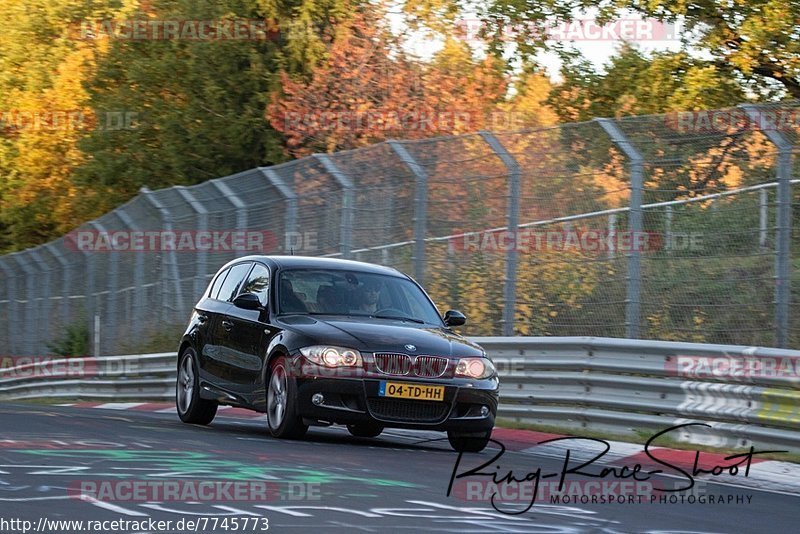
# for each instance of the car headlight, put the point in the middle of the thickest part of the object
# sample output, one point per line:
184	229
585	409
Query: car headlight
332	356
474	368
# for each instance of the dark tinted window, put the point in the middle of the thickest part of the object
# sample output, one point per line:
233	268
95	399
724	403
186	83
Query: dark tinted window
230	288
214	291
258	283
337	292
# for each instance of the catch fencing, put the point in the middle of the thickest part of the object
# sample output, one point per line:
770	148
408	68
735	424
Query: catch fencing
669	227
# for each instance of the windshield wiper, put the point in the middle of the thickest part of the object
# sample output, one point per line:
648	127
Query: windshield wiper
398	318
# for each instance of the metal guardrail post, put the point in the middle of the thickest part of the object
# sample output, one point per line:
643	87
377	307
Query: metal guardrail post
172	263
783	222
420	207
137	299
344	182
290	224
514	175
13	315
635	226
201	265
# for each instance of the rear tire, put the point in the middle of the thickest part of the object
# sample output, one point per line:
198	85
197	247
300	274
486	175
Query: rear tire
469	441
365	430
282	418
191	408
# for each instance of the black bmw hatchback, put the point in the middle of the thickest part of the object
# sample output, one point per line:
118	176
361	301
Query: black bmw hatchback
315	341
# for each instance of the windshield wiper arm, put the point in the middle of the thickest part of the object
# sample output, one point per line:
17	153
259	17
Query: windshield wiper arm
398	318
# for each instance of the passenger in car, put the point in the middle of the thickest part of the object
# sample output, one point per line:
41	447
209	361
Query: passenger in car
326	300
290	302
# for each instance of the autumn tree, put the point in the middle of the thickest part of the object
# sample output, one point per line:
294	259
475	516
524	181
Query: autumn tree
369	90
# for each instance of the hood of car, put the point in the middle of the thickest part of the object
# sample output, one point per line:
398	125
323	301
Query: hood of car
379	335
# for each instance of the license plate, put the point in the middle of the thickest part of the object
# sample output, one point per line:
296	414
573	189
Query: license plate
401	390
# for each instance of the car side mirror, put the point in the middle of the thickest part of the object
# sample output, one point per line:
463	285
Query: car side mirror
247	301
454	318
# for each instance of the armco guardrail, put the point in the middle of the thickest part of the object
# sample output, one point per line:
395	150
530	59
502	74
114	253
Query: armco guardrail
616	386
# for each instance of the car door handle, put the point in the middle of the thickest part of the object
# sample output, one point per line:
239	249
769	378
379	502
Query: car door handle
202	317
227	325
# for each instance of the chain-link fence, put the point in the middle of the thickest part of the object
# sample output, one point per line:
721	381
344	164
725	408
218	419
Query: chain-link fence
673	227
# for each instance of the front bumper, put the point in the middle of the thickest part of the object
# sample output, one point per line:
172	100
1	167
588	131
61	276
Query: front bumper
357	401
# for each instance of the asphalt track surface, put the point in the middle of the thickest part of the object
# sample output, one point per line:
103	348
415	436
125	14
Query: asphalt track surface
395	483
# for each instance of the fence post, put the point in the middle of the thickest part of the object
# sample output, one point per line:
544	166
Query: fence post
347	202
783	222
514	174
668	230
44	288
13	316
290	226
763	215
65	281
137	299
635	226
109	315
420	208
29	326
612	234
172	263
201	265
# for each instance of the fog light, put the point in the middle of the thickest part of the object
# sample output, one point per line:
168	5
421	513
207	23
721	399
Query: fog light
484	411
317	399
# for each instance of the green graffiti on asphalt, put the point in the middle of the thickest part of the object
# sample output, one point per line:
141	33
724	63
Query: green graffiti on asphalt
188	464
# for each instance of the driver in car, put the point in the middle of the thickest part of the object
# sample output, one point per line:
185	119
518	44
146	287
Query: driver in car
368	297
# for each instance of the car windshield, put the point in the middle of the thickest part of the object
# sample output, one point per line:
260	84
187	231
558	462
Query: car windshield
353	293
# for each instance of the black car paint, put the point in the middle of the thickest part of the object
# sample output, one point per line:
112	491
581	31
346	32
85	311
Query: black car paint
235	347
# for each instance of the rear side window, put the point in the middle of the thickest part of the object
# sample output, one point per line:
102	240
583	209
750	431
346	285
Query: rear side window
230	287
218	284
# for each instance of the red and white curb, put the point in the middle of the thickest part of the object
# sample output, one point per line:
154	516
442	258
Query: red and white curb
770	475
162	407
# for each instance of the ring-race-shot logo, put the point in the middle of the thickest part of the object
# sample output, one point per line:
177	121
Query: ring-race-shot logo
571	492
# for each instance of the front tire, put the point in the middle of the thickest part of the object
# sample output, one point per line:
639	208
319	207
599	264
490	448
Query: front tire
282	418
469	441
191	408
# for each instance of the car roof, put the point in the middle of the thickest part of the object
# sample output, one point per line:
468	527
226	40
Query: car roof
311	262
